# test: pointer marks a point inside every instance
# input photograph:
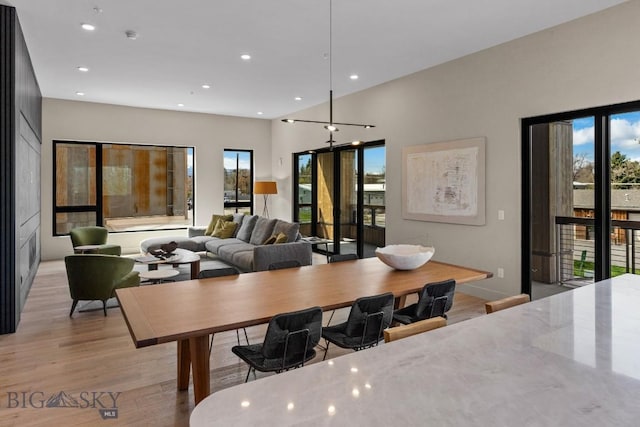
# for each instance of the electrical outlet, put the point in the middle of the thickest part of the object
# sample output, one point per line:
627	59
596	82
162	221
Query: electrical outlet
501	215
501	272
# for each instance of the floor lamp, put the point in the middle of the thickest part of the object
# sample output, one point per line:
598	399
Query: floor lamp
265	188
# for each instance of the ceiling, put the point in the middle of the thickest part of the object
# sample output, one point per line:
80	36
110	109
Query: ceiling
183	45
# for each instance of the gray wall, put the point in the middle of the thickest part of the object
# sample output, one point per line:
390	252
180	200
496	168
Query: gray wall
585	63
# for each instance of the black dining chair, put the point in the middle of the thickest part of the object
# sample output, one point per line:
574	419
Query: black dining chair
284	264
221	272
368	317
435	299
288	343
339	258
342	257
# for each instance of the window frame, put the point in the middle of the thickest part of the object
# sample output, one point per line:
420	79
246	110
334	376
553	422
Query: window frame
237	204
98	207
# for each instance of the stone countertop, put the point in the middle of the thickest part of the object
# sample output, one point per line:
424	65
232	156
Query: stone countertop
570	359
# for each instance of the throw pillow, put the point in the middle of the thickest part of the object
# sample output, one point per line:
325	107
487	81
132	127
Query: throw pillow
270	241
224	229
262	230
244	233
214	221
281	238
289	228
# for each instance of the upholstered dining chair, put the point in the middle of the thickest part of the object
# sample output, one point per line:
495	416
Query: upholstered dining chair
221	272
289	342
501	304
93	236
435	299
94	277
368	317
403	331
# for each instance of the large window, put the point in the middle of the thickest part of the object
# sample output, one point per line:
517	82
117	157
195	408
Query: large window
238	181
123	187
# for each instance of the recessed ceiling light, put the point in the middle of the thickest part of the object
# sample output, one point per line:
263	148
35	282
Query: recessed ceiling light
83	69
298	98
97	9
88	27
80	93
353	77
180	105
260	113
245	56
205	86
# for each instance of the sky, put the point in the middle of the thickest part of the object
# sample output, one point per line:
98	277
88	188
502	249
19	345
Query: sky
625	135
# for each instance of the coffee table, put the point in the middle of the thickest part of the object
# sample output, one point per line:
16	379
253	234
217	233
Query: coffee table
180	256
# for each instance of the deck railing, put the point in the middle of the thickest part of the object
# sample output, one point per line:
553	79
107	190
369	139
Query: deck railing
576	249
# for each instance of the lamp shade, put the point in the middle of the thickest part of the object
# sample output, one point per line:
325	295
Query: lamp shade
265	187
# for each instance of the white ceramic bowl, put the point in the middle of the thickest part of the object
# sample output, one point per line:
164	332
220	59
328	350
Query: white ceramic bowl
405	257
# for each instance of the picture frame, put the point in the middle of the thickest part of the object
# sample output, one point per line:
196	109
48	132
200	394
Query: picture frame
445	181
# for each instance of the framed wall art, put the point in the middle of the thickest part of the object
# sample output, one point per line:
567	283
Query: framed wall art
445	182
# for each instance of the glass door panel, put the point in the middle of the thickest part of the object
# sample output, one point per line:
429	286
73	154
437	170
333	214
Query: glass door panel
325	193
562	203
625	192
373	205
348	212
303	204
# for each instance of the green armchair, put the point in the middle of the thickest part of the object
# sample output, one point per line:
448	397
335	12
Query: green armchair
95	277
93	235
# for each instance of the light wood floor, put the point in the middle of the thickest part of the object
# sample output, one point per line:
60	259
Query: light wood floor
51	353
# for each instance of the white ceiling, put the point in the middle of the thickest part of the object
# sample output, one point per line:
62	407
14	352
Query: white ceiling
184	44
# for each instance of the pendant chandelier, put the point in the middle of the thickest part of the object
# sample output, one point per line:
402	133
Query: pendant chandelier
331	126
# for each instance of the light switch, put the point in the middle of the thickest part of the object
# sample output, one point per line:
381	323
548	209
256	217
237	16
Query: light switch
501	215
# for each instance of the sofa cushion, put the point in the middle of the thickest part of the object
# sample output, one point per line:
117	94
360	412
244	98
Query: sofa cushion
290	229
224	229
199	242
262	230
214	221
246	228
226	252
243	259
214	244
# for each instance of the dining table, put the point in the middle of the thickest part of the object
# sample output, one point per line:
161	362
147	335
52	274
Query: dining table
189	311
570	359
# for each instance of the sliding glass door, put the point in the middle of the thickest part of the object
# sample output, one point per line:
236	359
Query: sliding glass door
581	195
339	197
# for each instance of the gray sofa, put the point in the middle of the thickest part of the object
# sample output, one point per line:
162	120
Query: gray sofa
245	250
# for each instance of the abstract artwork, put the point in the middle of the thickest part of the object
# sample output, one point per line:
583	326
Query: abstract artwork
444	182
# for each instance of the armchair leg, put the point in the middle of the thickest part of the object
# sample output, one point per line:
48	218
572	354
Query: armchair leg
73	307
104	307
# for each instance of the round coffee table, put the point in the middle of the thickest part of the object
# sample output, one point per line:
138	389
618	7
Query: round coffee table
157	276
179	256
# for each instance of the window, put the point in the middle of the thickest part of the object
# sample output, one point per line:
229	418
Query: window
123	187
238	181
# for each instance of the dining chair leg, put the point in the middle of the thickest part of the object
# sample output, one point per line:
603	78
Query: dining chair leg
211	344
246	337
248	373
325	351
330	317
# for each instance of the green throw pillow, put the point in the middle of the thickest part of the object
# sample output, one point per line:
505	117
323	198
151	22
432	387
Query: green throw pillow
214	221
281	238
270	241
224	229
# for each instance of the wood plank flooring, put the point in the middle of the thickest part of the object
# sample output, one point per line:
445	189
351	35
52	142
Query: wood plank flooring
90	354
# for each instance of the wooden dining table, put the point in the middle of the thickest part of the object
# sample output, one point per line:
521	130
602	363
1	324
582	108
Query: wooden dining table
188	312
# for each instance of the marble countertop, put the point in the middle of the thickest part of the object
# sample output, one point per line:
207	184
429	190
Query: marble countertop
572	359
